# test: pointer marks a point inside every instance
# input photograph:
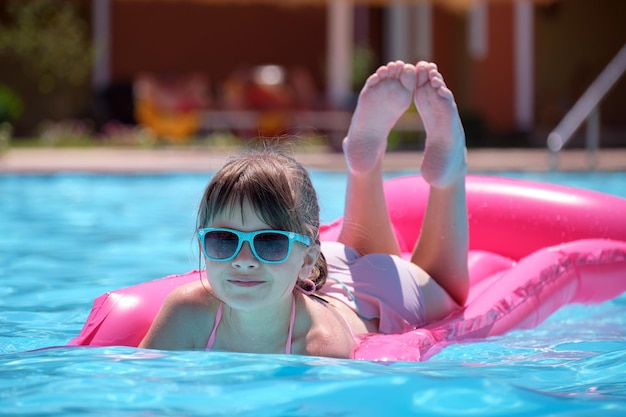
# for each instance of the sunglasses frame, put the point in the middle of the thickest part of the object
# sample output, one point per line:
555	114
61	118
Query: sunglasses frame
249	237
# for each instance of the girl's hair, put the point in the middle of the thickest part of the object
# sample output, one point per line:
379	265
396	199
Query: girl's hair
280	191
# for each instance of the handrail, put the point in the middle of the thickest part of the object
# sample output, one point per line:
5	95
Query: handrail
587	108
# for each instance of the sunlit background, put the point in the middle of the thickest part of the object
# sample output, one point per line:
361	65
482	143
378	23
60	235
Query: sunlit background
145	72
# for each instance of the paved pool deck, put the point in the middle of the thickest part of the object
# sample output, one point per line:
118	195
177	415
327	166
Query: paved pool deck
122	160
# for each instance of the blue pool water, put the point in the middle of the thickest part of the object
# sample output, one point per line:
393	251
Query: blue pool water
67	238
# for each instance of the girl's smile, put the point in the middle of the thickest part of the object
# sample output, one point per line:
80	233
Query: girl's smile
245	283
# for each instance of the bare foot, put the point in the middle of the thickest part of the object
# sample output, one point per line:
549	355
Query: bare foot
384	98
445	155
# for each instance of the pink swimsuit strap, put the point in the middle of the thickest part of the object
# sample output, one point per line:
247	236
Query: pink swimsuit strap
218	319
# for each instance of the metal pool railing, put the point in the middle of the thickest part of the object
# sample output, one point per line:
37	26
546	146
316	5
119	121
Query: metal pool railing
587	108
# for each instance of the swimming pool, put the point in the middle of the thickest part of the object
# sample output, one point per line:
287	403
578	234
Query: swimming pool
67	238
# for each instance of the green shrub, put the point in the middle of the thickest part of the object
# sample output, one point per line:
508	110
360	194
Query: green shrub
11	105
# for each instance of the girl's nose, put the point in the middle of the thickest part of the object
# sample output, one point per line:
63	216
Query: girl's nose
245	259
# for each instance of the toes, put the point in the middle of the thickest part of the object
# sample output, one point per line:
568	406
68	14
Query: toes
422	74
399	67
396	70
445	92
372	80
425	72
383	71
387	71
436	81
408	79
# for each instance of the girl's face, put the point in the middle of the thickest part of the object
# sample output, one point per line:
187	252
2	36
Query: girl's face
247	283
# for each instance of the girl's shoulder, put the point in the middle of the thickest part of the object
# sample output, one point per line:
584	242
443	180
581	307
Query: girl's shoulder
193	293
323	331
181	321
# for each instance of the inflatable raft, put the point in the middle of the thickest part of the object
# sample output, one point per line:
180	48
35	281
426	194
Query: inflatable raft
534	247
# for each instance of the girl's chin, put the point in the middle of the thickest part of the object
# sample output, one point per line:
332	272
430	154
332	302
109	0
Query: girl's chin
249	297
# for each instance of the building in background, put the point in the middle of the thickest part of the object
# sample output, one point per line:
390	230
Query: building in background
516	66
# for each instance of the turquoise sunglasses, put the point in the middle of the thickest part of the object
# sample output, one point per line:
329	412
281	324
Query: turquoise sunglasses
269	246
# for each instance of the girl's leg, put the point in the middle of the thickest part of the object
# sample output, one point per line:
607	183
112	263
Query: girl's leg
384	98
444	239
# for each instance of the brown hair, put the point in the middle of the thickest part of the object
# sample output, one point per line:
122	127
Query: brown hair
280	191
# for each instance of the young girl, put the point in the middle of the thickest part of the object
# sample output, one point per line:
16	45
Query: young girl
272	287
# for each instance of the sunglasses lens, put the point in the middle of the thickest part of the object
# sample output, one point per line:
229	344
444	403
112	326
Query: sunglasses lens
220	244
271	247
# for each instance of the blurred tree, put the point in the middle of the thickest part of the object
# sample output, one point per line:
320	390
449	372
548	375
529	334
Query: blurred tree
363	59
10	105
47	55
50	39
